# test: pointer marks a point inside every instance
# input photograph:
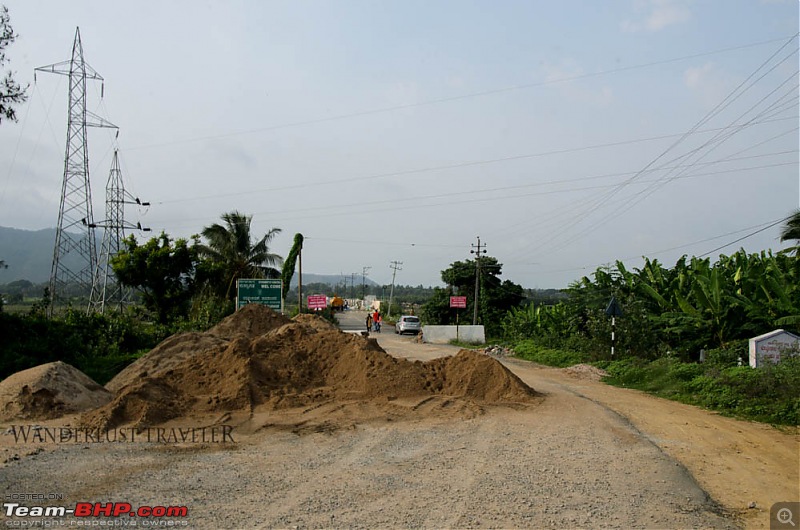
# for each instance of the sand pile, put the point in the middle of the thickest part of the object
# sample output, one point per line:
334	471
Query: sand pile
256	358
49	391
316	322
586	371
250	321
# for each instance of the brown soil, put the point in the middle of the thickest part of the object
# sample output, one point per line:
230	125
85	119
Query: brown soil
316	322
49	391
259	359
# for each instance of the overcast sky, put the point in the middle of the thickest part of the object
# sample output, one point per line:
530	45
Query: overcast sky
566	134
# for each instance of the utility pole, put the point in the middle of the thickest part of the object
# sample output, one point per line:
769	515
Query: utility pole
476	249
364	271
75	230
300	277
395	266
353	285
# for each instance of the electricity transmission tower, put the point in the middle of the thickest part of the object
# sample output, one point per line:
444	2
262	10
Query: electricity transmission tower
105	289
75	230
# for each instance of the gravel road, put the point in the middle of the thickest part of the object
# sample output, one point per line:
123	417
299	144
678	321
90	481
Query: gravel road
569	461
564	464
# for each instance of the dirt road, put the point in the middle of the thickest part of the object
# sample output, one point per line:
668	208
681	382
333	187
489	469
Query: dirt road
585	456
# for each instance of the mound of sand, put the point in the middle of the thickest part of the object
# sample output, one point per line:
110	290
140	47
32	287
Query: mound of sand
49	391
249	321
256	358
316	322
586	371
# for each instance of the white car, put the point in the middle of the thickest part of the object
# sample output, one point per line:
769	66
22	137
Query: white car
408	324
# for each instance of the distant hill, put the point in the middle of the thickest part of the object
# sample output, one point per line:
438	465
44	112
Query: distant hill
329	279
29	256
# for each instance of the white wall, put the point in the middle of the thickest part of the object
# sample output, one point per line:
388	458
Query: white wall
444	334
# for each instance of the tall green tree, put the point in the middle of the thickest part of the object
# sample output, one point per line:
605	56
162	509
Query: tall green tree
496	297
164	270
288	266
11	92
233	254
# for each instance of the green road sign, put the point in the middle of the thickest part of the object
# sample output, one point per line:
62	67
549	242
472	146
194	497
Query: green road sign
264	292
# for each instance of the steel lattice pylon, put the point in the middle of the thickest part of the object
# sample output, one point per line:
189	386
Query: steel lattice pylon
75	230
106	291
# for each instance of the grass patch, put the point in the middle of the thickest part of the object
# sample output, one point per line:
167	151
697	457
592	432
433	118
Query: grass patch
551	357
770	394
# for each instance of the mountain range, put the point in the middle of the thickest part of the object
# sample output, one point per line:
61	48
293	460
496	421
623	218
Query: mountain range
29	256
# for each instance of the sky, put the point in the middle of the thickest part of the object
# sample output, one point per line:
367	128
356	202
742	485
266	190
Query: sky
566	135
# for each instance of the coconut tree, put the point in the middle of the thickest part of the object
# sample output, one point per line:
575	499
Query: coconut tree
791	230
233	254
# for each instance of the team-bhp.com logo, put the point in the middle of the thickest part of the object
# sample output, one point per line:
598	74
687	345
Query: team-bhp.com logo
94	509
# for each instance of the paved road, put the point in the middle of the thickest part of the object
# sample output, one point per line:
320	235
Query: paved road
352	320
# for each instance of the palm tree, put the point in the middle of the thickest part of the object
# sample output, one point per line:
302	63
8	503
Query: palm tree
231	250
791	230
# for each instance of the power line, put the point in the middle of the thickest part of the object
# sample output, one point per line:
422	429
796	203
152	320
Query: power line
340	210
458	97
745	237
631	201
385	243
761	227
395	266
553	218
476	249
483	191
460	165
706	240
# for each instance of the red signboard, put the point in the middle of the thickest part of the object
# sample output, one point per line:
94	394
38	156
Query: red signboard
317	301
459	302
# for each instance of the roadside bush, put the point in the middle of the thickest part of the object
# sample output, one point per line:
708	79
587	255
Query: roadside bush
206	311
728	356
770	394
631	372
98	345
552	357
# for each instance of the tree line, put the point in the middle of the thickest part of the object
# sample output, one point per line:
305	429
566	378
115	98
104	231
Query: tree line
693	305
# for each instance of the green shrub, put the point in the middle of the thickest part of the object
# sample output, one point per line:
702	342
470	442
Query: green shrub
98	345
728	356
630	372
552	357
770	394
